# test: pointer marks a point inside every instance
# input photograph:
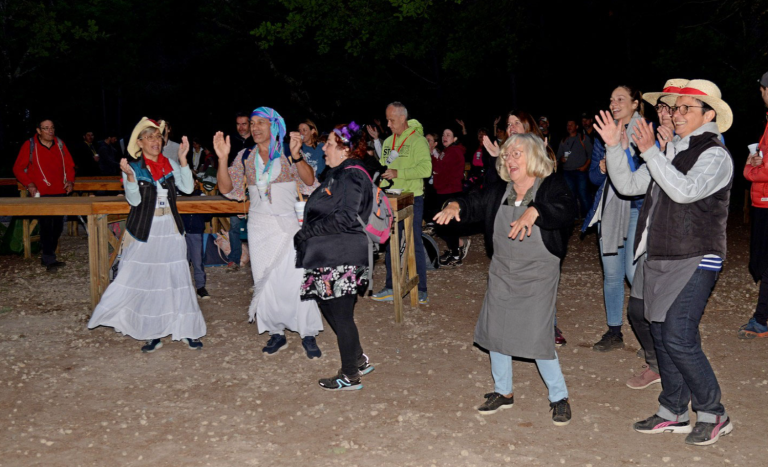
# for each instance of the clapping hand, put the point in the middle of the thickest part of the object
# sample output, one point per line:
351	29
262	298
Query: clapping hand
607	128
644	136
492	148
221	146
664	136
183	150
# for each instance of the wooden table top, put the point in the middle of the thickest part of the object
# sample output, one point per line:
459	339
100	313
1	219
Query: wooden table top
86	205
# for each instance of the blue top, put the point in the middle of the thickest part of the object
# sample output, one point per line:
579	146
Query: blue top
315	157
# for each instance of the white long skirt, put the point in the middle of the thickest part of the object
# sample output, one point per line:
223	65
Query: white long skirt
152	295
276	303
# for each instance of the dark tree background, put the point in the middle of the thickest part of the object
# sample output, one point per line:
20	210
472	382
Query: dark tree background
100	65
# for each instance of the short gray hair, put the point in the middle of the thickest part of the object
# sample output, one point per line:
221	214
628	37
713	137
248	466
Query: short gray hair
401	110
538	163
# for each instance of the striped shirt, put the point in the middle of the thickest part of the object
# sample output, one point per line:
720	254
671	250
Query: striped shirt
711	263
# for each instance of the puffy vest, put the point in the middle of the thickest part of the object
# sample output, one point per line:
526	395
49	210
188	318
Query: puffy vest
140	217
681	231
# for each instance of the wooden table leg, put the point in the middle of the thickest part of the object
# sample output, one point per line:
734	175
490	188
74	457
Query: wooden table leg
102	227
410	256
93	259
26	232
394	253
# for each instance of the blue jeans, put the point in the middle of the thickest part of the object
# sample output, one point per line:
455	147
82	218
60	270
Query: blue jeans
234	239
615	267
501	368
686	374
577	182
418	243
195	256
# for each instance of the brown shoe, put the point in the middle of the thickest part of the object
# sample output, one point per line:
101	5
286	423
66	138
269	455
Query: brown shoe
643	379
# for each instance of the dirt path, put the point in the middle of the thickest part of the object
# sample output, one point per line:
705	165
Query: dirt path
71	397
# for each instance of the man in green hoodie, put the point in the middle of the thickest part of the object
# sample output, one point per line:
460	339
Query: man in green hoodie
406	155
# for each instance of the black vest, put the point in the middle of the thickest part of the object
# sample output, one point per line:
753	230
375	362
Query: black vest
140	217
681	231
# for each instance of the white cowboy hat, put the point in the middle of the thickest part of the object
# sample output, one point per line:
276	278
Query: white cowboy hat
144	123
670	87
709	93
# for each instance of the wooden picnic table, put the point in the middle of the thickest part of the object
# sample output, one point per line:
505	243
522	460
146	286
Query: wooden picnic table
97	210
88	184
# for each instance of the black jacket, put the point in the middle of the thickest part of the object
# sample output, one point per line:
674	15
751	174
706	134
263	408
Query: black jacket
332	235
553	200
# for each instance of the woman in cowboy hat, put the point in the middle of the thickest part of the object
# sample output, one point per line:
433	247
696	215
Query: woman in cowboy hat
272	179
153	295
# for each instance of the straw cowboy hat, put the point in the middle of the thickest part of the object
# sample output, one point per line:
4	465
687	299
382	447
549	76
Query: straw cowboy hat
709	93
144	123
670	87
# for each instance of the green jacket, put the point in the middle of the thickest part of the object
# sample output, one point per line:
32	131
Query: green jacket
414	163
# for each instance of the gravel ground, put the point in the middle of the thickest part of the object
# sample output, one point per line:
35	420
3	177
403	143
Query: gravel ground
71	397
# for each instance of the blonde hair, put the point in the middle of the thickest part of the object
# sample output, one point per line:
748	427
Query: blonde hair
537	161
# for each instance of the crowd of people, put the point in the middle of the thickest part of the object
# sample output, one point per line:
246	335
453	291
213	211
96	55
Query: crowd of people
658	198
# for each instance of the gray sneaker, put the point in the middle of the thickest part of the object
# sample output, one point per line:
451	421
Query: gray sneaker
464	249
384	295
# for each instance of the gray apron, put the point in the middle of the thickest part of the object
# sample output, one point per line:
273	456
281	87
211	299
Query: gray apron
518	311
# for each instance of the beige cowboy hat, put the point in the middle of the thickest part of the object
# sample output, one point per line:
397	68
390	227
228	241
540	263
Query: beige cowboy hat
144	123
709	93
670	87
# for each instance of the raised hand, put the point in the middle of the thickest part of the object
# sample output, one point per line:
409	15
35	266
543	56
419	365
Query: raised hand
127	170
644	136
496	120
221	146
373	131
183	150
664	136
295	144
607	128
492	148
450	212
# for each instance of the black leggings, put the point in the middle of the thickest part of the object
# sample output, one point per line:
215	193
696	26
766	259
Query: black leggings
761	310
642	328
340	314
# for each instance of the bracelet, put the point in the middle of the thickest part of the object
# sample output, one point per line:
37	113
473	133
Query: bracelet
301	158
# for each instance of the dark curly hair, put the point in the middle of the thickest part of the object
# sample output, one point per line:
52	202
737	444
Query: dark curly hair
358	143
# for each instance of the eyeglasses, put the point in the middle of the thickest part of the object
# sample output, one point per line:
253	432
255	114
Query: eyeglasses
152	138
48	128
661	108
514	154
683	109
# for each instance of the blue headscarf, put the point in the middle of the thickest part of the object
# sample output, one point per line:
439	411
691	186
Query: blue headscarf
277	131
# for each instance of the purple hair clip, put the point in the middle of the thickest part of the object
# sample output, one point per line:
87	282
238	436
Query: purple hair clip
344	134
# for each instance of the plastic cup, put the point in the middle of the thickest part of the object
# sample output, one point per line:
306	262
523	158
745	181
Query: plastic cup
262	187
299	208
752	148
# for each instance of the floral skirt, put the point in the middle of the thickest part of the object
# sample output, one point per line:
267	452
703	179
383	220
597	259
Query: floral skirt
327	283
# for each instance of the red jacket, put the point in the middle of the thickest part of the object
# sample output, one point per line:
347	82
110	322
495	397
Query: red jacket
53	161
448	170
759	176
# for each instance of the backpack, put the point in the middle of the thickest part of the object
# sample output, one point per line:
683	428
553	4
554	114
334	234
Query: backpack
379	224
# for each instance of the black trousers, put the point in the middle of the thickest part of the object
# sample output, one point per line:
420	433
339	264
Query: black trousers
761	310
642	328
340	315
50	231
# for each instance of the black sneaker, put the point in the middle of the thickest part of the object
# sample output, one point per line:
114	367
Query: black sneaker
365	367
310	346
341	382
655	424
53	267
445	256
704	434
203	294
561	412
152	345
193	344
276	343
495	402
609	341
